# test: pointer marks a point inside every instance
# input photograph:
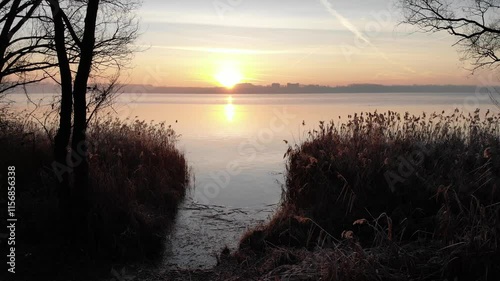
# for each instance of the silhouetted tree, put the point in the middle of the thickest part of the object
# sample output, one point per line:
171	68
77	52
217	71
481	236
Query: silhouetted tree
82	40
475	24
91	37
24	44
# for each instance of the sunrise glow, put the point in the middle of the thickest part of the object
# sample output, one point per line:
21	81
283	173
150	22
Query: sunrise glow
228	76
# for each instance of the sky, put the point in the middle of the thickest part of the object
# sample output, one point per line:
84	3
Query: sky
326	42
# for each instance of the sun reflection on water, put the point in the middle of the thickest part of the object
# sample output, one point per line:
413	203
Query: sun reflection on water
230	109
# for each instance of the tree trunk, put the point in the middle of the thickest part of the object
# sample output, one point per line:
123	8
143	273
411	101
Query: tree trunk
79	141
63	135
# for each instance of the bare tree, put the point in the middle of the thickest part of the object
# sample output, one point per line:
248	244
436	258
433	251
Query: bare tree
475	24
24	44
72	42
91	38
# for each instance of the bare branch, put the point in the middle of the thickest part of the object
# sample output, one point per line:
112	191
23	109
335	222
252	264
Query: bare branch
475	24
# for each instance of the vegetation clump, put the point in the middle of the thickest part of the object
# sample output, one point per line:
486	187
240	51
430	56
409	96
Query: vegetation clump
389	196
138	178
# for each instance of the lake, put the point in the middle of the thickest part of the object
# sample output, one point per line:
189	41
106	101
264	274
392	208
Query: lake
235	146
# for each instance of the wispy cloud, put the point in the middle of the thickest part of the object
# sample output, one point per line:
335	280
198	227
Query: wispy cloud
231	51
228	51
250	21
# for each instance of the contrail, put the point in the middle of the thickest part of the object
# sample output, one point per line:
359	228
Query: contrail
344	21
347	24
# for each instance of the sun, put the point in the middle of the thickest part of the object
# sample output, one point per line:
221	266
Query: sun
228	76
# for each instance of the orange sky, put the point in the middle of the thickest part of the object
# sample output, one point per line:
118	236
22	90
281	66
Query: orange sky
195	43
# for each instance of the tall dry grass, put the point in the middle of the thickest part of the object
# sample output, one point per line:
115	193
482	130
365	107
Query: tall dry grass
424	185
138	178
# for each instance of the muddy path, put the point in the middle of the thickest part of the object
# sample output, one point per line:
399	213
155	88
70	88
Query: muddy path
202	231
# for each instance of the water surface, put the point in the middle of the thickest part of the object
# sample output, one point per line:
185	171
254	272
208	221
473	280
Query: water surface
235	146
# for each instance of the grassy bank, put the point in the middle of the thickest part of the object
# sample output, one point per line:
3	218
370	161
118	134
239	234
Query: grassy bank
385	196
138	178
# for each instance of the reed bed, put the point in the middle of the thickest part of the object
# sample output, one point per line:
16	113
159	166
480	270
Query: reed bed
138	178
388	196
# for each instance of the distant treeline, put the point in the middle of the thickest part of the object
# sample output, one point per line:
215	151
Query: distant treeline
287	89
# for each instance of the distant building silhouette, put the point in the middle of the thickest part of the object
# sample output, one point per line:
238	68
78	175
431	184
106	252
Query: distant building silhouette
245	85
278	88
